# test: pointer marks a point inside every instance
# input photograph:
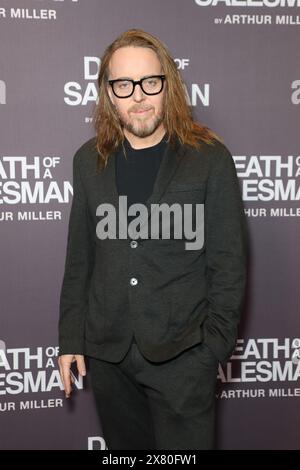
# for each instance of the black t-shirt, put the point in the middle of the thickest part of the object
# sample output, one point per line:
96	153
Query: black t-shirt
135	176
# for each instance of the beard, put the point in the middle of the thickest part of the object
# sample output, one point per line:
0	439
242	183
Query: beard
139	126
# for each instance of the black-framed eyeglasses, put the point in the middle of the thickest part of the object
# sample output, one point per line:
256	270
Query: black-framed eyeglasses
124	87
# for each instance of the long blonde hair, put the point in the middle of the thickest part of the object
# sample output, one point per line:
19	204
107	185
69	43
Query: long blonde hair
178	119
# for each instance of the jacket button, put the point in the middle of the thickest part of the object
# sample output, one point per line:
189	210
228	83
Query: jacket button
133	281
133	243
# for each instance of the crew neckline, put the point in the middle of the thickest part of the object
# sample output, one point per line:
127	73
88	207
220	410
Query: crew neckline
145	149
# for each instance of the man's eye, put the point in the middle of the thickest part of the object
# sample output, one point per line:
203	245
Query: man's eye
152	82
123	84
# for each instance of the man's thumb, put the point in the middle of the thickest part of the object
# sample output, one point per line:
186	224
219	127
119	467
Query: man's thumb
81	365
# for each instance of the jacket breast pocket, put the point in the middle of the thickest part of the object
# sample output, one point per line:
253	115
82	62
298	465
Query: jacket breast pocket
184	193
186	186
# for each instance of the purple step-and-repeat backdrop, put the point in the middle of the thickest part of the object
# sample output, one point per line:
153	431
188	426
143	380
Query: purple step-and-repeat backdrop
240	63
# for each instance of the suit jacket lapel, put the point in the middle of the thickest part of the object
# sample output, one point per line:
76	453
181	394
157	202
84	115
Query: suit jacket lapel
169	164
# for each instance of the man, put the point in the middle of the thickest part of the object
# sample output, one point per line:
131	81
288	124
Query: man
154	315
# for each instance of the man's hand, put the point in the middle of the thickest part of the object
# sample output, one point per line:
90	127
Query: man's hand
64	362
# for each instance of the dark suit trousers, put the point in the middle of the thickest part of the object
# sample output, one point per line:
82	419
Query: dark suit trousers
148	405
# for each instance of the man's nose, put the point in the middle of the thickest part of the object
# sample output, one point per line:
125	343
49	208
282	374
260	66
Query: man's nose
138	94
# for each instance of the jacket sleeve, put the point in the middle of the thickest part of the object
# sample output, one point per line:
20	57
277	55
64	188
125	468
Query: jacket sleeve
226	254
78	269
